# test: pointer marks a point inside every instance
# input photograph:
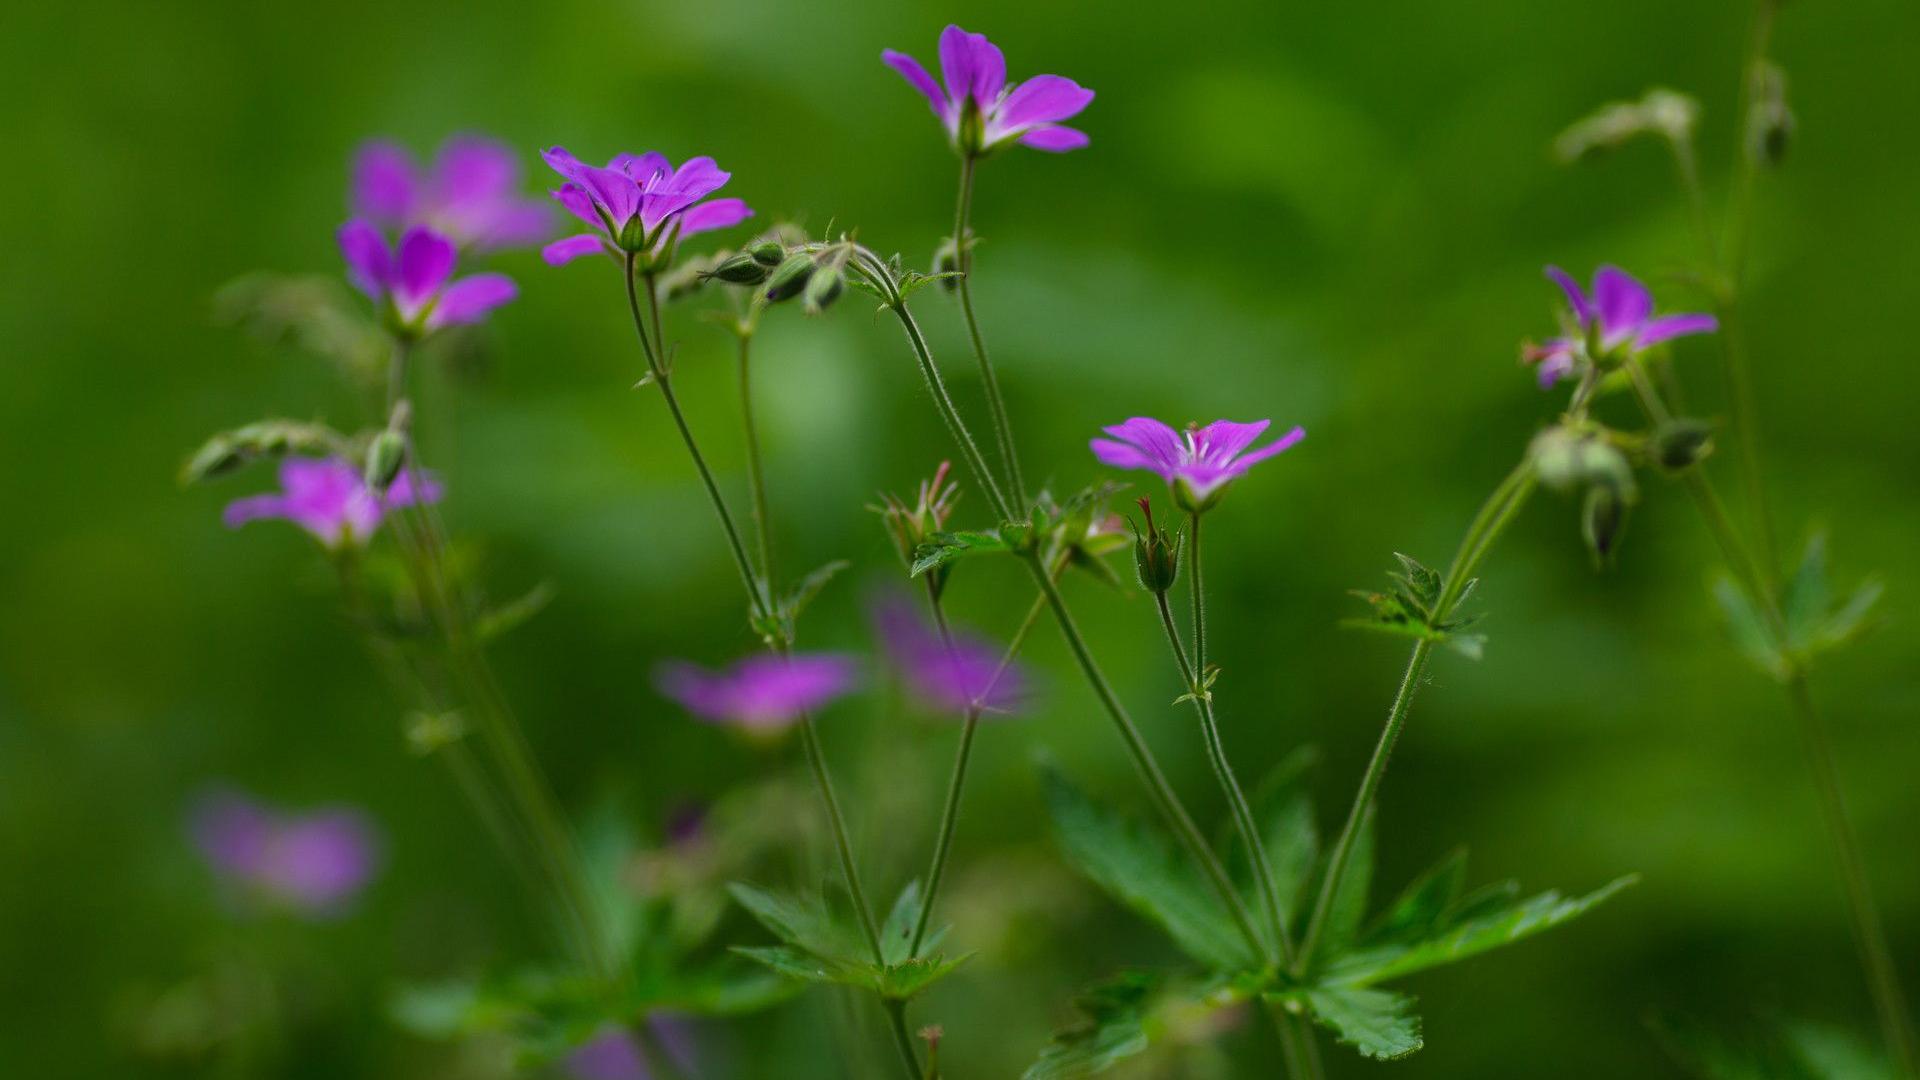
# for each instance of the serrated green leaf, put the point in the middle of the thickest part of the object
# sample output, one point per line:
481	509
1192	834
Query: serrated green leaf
1379	1023
909	978
1456	940
806	924
1137	867
897	934
1423	583
809	588
1424	903
722	987
1112	1028
1804	600
806	966
946	547
1746	629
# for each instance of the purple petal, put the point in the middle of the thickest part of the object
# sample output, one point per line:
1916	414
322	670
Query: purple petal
1668	327
319	862
1126	456
1222	439
645	168
1283	443
403	491
425	262
1160	442
472	170
1043	99
1055	140
760	693
383	183
579	204
231	831
253	508
718	214
948	678
1576	296
693	181
971	65
561	252
917	77
470	298
513	224
1556	362
369	265
612	190
562	162
1623	303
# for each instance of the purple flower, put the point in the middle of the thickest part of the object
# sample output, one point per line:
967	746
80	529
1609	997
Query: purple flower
632	202
614	1054
313	863
948	679
470	194
760	693
415	277
981	110
1197	462
1620	311
328	498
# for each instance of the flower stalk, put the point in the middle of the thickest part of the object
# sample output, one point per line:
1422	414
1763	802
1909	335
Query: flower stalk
989	381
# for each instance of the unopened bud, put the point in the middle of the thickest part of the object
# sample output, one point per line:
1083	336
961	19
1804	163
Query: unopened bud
1156	556
767	253
1770	120
790	277
1681	442
740	270
1564	458
1601	521
633	235
386	456
823	288
216	456
946	260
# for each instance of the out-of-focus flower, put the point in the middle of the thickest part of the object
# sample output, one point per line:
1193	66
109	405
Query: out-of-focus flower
471	193
1197	462
1618	314
614	1054
639	202
313	863
329	498
982	111
948	679
415	278
760	693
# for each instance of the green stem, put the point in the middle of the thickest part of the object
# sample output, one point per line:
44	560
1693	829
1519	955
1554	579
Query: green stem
1197	588
1297	1046
950	813
897	1021
756	475
989	382
1487	525
816	760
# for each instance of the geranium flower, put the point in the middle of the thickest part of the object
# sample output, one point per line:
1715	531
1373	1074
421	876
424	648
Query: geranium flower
760	693
981	110
1198	462
635	198
328	498
947	679
314	863
1620	310
415	278
471	193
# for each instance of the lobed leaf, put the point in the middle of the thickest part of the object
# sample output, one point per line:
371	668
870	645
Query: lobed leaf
1379	1023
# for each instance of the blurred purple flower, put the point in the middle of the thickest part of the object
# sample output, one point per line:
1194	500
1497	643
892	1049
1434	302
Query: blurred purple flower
614	1054
638	187
414	277
760	693
314	863
947	679
1620	309
470	193
328	498
1197	462
981	110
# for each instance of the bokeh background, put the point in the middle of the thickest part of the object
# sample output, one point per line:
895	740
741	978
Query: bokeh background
1330	215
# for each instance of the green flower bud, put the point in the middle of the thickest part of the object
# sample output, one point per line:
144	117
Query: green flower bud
823	288
386	456
633	235
1602	519
1770	120
767	253
1156	556
1681	442
946	260
790	277
740	270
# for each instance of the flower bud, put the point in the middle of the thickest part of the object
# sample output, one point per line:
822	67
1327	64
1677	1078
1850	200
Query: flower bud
946	260
767	253
1770	120
740	270
823	288
386	456
633	235
1156	556
1601	520
1680	442
790	277
1564	458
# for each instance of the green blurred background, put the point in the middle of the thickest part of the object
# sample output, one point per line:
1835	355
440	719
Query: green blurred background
1333	215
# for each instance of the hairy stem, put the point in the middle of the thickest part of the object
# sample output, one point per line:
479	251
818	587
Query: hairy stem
756	474
989	382
897	1021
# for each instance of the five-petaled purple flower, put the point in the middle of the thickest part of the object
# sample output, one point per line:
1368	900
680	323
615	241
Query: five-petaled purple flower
471	193
313	863
950	679
639	201
760	693
1197	462
415	278
328	498
981	110
1620	312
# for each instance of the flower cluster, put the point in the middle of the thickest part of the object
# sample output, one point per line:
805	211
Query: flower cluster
981	110
639	203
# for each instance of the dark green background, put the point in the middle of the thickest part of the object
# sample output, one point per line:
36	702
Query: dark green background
1329	214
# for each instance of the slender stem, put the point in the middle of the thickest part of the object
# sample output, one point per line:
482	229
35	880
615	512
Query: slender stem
756	475
1495	513
1297	1047
957	427
1688	166
1243	818
1197	590
816	760
996	405
970	722
897	1021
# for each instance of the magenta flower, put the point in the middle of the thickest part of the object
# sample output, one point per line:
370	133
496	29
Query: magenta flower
953	679
314	864
1197	462
981	110
415	278
639	203
471	194
1620	311
614	1054
328	498
760	693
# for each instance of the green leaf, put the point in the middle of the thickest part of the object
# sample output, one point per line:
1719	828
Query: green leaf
1804	600
1418	911
897	935
1379	1023
1745	628
1458	938
507	617
1850	621
1112	1027
1423	584
908	978
809	587
806	966
1349	905
1137	867
946	547
1833	1053
805	924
